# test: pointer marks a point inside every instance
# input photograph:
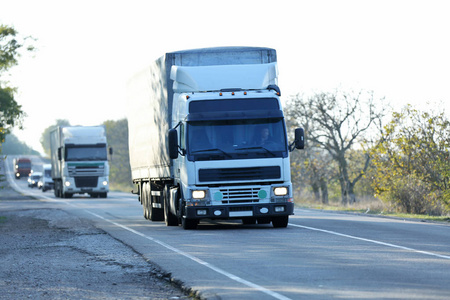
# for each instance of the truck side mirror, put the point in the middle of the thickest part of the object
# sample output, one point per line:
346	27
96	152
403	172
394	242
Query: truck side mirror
110	150
59	153
173	144
299	138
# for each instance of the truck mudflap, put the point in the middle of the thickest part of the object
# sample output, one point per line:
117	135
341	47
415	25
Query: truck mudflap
266	210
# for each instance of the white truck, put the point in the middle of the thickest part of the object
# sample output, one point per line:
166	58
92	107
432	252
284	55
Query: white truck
79	159
208	140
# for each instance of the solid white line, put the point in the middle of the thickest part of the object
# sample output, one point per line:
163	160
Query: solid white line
196	259
371	241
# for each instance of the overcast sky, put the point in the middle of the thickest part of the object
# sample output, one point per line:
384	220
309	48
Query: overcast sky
88	49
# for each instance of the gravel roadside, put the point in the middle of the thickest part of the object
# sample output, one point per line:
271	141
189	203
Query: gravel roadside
46	253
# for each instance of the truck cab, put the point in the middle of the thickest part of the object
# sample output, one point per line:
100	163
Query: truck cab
231	157
22	167
80	161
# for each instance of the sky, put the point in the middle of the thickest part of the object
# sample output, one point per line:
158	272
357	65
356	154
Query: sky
88	49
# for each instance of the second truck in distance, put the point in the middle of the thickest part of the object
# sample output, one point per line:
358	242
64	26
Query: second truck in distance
79	159
208	140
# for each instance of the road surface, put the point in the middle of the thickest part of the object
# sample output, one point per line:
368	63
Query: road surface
320	255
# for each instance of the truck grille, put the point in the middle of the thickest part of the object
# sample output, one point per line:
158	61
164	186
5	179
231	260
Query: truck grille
86	169
239	195
236	174
86	181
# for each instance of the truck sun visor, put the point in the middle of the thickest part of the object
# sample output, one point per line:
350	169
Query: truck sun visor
233	105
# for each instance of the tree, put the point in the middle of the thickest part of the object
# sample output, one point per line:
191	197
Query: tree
13	145
11	113
312	165
45	137
412	161
120	170
338	122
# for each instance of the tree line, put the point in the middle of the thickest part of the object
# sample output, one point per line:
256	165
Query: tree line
354	142
12	46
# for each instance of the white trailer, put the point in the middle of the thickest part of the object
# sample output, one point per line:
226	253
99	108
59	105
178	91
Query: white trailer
207	138
79	161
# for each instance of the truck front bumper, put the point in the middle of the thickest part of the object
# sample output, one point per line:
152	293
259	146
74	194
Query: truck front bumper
264	210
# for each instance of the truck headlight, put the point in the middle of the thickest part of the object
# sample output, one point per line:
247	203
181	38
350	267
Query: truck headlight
67	183
105	182
198	194
280	191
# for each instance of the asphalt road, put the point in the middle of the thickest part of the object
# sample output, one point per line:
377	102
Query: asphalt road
320	255
50	253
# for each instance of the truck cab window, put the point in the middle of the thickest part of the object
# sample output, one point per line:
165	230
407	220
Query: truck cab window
262	137
86	153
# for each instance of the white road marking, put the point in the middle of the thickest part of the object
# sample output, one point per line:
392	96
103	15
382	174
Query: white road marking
371	241
196	259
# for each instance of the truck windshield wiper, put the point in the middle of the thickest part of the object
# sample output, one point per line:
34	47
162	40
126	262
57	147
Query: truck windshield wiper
210	150
257	147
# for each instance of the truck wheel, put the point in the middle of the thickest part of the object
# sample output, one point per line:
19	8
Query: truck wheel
280	222
154	213
58	189
188	223
144	198
169	218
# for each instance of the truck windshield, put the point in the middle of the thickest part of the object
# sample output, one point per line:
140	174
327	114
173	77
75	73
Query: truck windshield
24	165
86	153
236	139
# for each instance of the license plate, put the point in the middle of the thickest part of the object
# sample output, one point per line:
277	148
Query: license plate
247	213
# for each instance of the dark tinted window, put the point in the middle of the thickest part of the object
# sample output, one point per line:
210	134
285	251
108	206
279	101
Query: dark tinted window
233	105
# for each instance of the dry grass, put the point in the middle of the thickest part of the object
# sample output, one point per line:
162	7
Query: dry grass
365	205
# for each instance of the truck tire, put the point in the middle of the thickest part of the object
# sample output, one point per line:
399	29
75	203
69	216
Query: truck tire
185	223
280	222
144	198
188	223
57	189
169	218
154	213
